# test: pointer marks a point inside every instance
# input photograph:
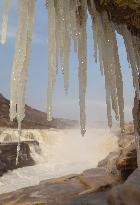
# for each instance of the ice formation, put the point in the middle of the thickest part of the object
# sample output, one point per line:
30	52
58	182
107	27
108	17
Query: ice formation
6	5
63	27
132	56
67	20
21	61
105	45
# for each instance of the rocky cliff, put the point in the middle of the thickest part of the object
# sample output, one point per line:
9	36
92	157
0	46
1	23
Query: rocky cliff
122	11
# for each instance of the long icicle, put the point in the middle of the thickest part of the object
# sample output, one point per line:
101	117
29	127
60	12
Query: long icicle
82	57
51	55
104	34
131	56
20	64
115	70
66	21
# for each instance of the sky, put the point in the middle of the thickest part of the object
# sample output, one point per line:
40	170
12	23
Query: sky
36	95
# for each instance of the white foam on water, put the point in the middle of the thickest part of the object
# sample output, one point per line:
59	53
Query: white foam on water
62	152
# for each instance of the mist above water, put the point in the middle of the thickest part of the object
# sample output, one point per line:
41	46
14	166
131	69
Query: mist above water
62	152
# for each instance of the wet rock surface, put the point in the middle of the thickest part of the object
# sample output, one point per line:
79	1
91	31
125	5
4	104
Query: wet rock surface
128	193
127	160
110	163
123	161
90	187
8	153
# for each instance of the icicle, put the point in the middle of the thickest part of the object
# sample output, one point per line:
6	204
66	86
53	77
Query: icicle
131	56
52	53
64	24
30	23
105	37
21	59
94	27
103	57
66	63
20	64
113	64
134	62
18	146
6	6
118	80
20	53
82	57
61	28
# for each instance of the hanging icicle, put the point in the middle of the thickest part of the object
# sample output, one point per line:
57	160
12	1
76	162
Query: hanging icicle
6	6
82	58
52	55
64	25
131	44
105	44
132	57
20	64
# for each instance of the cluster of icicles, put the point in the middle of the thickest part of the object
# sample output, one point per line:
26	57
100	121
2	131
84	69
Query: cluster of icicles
67	20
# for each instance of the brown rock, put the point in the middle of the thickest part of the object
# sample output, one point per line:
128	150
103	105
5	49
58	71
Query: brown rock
69	190
110	163
97	179
128	193
124	161
127	161
122	12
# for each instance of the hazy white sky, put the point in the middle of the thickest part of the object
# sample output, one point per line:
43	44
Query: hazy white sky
64	106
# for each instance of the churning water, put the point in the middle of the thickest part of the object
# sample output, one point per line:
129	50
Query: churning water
62	152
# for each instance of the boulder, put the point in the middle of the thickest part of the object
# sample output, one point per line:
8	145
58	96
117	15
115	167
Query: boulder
123	161
127	161
124	139
97	179
110	163
128	193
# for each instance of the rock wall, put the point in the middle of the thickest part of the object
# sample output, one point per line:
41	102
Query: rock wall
123	11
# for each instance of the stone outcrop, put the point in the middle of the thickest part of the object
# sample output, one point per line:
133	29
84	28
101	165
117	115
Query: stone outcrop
90	187
110	163
128	193
127	160
123	161
8	153
122	12
94	186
